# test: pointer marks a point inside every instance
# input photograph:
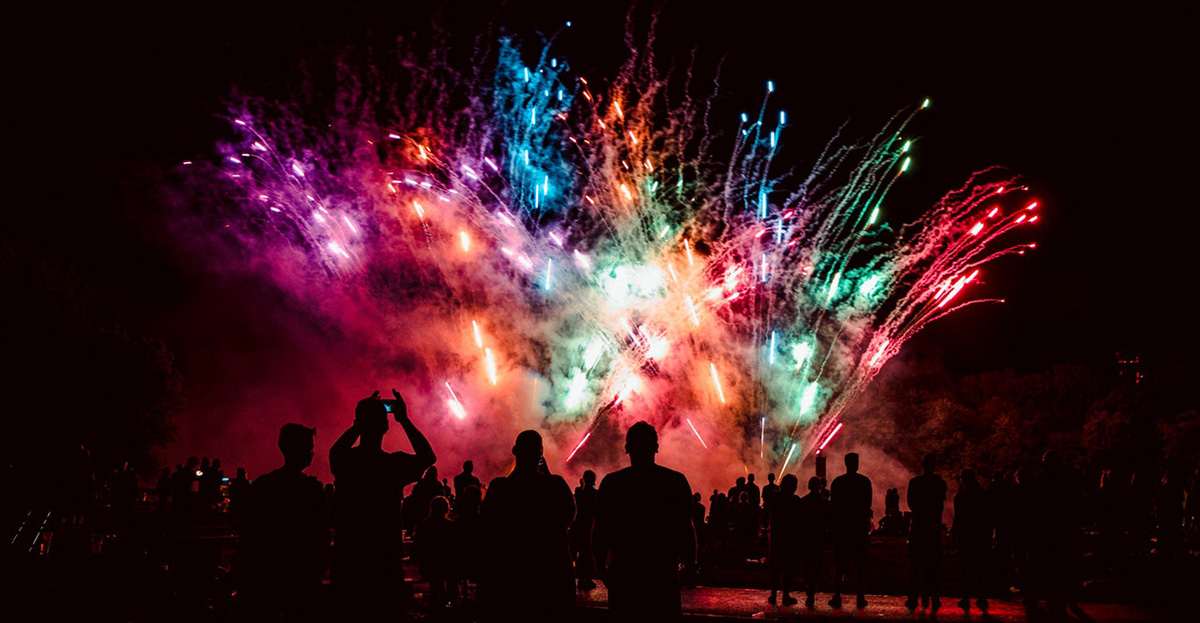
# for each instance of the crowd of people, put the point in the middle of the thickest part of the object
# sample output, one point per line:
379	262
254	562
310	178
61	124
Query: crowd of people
522	545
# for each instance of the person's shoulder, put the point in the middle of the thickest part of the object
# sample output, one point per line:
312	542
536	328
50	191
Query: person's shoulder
675	477
269	479
616	478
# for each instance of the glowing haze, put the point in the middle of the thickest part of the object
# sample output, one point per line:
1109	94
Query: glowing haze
516	247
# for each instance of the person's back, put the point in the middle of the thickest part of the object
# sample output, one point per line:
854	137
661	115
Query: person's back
973	531
850	500
526	567
926	500
641	508
783	522
812	528
466	479
813	519
435	544
284	541
754	494
369	484
643	523
286	519
581	530
850	503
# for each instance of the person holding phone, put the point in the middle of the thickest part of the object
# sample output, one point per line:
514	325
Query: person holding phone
366	570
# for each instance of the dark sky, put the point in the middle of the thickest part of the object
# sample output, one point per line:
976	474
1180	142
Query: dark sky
1087	103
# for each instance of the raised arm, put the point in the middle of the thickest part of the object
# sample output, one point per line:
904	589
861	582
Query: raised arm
341	447
420	445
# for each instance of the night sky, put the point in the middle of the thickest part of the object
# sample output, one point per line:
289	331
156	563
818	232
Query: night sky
1092	105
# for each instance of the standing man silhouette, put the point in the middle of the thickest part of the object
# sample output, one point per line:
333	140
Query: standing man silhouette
525	558
370	483
581	531
926	500
284	541
850	500
643	532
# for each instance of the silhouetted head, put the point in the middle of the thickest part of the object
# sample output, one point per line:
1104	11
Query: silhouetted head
851	462
814	484
641	442
431	474
967	478
789	484
468	467
589	478
771	478
370	418
296	444
1051	459
439	507
744	498
696	497
750	479
528	449
241	473
929	463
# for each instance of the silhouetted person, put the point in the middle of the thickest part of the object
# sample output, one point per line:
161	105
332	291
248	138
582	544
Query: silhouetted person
812	531
736	490
210	486
769	490
238	488
926	500
466	520
284	543
370	486
973	531
698	518
892	523
1057	532
783	523
435	548
581	531
718	514
466	479
753	491
643	532
416	505
526	560
850	499
746	522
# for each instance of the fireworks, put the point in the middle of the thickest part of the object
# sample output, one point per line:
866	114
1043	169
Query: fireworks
599	241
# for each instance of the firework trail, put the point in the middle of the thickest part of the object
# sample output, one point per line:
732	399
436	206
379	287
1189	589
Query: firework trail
590	247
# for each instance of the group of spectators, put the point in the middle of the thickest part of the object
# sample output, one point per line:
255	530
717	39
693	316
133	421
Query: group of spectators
525	542
520	543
